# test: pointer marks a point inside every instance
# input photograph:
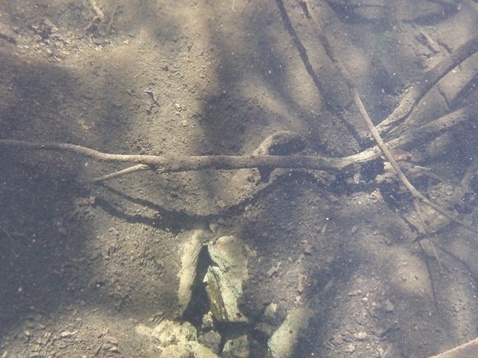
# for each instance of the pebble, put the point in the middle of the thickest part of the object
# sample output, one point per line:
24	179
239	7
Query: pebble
361	335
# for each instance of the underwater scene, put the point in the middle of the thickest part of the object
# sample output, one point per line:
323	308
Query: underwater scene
239	178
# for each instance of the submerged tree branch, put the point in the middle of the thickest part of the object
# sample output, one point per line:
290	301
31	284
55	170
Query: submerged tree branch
168	163
433	76
429	79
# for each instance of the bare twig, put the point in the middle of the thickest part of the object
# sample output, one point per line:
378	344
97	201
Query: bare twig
167	163
129	170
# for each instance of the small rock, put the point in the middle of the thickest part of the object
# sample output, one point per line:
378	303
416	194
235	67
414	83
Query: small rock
207	322
306	247
389	307
273	270
236	348
361	335
211	340
301	283
66	334
270	312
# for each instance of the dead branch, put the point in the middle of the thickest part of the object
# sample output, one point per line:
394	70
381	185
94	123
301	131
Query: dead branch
167	163
164	164
220	162
430	78
129	170
374	131
435	127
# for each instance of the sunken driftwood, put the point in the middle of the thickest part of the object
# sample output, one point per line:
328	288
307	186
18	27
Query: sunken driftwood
169	163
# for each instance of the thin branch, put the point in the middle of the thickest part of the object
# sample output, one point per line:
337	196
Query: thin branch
435	127
430	78
375	133
221	162
129	170
169	163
